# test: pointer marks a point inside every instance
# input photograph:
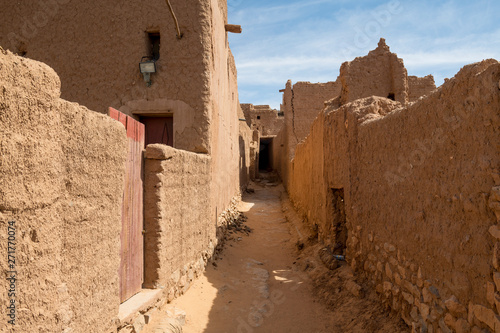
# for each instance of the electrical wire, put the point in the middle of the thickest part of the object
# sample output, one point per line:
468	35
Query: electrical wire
179	35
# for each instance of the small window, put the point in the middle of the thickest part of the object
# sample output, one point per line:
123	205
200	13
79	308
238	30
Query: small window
258	117
154	45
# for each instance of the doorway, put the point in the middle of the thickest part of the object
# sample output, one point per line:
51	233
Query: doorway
159	129
266	154
339	221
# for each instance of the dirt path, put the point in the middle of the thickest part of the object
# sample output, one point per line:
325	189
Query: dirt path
262	283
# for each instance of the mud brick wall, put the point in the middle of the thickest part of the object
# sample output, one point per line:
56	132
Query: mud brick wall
420	203
420	86
61	181
180	231
263	119
245	144
380	73
420	189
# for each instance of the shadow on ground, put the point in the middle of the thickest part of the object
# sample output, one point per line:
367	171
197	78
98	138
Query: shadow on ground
262	282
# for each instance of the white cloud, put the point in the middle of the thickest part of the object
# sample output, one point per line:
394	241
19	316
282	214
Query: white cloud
309	40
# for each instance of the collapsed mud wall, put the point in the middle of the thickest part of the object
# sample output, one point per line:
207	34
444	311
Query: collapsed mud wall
380	73
420	86
61	183
419	187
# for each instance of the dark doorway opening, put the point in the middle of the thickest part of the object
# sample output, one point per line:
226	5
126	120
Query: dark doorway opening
159	130
391	96
266	154
339	222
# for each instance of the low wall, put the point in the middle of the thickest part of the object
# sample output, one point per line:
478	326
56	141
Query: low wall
181	234
419	189
61	186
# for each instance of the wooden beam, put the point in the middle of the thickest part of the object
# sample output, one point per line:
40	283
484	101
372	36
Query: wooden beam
234	28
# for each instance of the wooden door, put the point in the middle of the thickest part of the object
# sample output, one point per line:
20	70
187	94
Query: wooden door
159	130
132	244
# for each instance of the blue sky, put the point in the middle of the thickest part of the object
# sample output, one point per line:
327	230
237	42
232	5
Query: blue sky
308	40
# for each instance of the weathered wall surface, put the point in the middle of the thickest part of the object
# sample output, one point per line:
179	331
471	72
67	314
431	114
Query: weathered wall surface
420	86
263	118
421	194
302	103
179	240
224	110
246	144
97	55
61	181
380	73
310	163
308	99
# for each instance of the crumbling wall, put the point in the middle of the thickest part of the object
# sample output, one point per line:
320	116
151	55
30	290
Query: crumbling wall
302	103
426	242
380	73
263	118
421	193
308	100
61	183
180	233
420	86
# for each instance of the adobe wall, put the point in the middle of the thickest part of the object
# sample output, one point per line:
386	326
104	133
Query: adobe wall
420	86
309	161
97	53
178	241
380	73
263	118
246	143
223	107
62	169
302	102
421	194
306	102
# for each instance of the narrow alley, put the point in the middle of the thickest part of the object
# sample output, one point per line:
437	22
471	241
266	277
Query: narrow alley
262	282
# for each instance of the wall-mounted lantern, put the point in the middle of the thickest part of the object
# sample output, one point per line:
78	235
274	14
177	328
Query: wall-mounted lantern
147	67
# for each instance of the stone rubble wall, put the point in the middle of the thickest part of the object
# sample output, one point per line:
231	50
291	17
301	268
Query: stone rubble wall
62	171
421	186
